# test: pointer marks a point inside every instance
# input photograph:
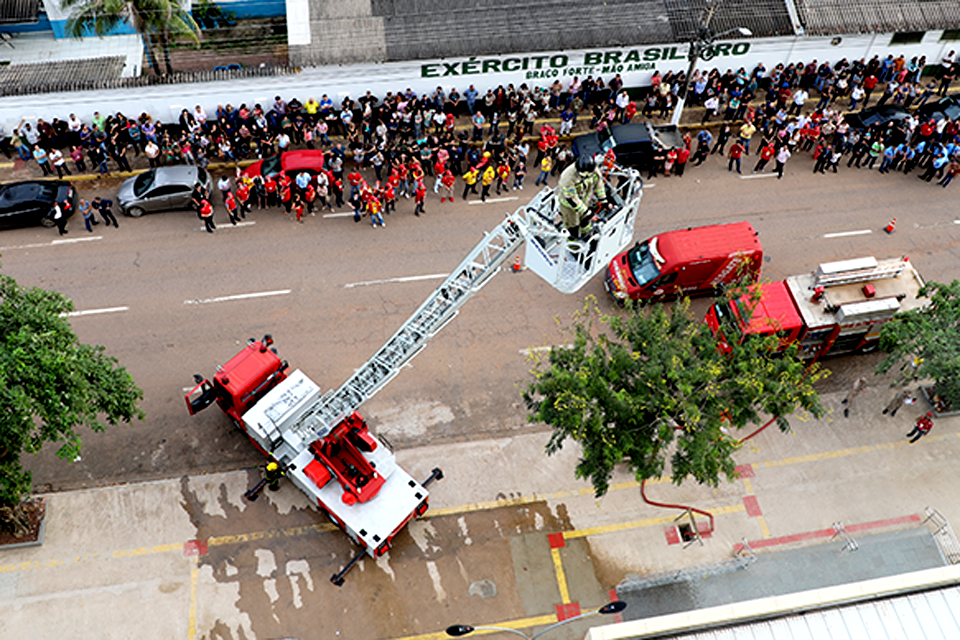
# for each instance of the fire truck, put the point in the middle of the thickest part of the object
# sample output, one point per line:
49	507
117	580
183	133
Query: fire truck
319	440
837	309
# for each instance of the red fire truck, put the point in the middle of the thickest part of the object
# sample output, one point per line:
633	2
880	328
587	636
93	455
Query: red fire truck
837	309
320	442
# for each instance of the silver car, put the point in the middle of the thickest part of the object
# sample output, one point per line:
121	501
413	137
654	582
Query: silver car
161	189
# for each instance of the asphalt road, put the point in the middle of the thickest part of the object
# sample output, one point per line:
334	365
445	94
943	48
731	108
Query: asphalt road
332	291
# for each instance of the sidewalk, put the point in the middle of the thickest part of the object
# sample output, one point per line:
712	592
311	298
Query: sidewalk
512	538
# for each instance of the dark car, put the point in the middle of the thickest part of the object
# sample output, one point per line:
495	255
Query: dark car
24	204
877	115
289	162
632	143
161	189
948	107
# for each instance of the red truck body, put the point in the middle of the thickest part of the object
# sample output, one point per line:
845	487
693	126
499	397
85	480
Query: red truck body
686	262
838	309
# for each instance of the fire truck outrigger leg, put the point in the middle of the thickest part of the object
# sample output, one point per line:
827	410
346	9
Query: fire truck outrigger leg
337	578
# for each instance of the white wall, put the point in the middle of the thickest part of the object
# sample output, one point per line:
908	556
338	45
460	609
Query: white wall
166	101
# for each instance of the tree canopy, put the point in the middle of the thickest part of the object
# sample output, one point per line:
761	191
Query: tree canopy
931	335
157	21
650	385
51	385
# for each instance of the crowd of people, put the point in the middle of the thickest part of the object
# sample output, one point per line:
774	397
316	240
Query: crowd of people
486	140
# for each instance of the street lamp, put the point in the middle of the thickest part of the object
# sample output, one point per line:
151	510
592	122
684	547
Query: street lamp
458	630
701	47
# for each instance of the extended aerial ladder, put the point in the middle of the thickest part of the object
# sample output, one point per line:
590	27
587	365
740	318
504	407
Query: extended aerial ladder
307	431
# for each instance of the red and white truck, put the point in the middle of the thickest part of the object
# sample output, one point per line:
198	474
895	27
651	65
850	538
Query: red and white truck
320	442
837	309
686	262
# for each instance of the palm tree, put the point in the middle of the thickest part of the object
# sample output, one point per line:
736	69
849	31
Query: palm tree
160	21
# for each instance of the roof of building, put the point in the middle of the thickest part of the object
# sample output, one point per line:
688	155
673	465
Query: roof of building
19	11
59	74
830	17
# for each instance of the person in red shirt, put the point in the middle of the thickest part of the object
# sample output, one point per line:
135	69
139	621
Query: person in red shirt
420	194
206	213
922	428
401	175
766	152
389	197
869	83
354	179
438	168
448	179
230	204
683	154
286	196
298	209
671	159
270	186
309	195
503	174
629	112
735	153
243	199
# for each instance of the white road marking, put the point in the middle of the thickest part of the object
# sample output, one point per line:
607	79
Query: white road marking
227	226
93	312
346	214
843	234
432	276
52	243
240	296
533	350
759	175
493	200
73	240
956	222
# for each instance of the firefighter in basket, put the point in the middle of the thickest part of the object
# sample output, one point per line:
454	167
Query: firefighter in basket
580	186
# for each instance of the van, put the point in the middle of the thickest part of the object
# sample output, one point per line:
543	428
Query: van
686	262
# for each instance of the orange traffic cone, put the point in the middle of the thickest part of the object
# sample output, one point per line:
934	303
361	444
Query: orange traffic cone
517	267
891	226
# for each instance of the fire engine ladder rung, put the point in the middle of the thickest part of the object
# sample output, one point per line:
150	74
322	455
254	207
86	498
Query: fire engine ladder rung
441	307
864	275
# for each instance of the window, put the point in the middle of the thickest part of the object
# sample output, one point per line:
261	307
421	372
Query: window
907	37
950	35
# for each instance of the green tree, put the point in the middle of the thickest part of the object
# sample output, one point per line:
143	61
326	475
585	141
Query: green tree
930	334
51	385
650	384
159	22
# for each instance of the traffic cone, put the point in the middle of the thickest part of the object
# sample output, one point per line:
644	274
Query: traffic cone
891	226
517	267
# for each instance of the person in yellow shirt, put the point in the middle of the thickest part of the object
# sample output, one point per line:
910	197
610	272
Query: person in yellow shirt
746	132
546	165
470	181
489	175
312	107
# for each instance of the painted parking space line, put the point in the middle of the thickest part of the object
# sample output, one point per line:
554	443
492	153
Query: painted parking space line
345	214
249	223
240	296
494	200
844	234
369	283
759	175
52	243
535	350
93	312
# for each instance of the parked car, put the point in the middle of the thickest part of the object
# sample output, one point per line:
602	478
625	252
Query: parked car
948	107
289	162
632	143
27	203
876	115
161	189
